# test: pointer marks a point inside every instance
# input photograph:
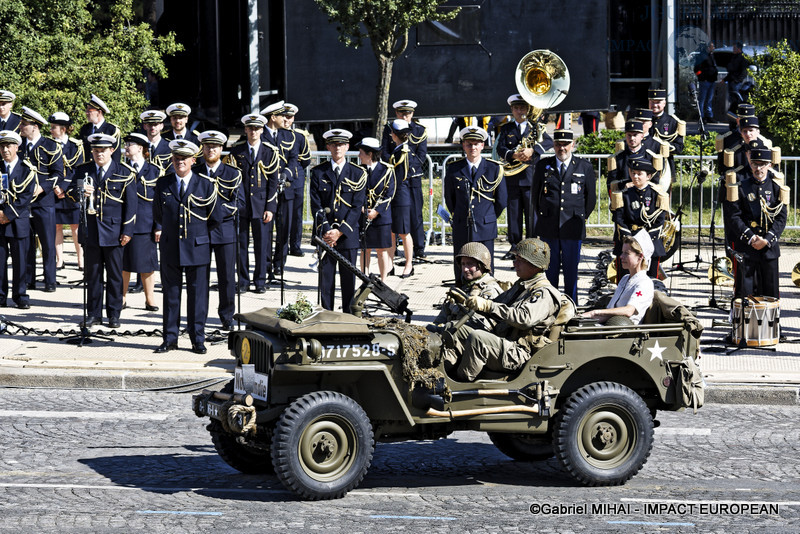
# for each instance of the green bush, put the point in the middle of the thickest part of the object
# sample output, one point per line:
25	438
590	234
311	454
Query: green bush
601	142
777	94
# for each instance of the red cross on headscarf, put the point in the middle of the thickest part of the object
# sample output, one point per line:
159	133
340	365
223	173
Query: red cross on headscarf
638	293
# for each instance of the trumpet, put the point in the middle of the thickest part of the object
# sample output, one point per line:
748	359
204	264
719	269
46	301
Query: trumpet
87	180
542	79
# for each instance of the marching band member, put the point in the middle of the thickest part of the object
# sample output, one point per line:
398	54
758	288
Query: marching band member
618	176
564	195
518	142
641	206
259	165
376	224
108	229
337	191
179	117
417	144
8	119
96	111
230	197
17	182
67	212
475	194
405	166
667	128
160	155
299	181
140	255
756	211
45	155
185	210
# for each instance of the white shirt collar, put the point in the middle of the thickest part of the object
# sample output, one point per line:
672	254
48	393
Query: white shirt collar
12	165
476	164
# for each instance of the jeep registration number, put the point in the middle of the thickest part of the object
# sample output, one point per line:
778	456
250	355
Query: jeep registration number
356	352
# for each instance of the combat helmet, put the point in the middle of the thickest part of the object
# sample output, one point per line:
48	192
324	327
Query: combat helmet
534	251
478	252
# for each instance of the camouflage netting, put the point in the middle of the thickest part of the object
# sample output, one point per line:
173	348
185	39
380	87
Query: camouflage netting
420	367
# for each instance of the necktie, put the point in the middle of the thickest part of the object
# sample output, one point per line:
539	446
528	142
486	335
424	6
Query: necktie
136	167
183	188
210	173
94	129
337	171
563	171
473	172
178	136
99	174
252	153
2	124
152	150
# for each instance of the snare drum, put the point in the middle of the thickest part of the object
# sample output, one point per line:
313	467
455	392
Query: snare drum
761	321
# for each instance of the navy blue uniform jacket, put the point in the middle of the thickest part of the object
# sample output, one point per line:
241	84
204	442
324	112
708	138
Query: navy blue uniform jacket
345	197
563	207
486	194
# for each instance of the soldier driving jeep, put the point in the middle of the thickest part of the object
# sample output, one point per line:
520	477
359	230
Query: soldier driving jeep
522	317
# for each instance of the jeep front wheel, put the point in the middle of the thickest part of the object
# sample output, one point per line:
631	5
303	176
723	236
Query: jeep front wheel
604	434
523	447
322	446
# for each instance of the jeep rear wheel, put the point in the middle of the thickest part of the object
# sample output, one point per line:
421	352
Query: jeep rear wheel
322	446
604	434
523	447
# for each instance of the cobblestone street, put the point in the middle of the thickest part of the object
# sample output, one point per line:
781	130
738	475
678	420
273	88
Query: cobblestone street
97	461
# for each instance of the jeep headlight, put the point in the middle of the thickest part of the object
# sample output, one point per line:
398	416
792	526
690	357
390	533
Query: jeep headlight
310	350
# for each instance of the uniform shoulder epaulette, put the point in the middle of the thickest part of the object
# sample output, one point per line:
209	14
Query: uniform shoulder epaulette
239	143
719	142
767	142
75	141
494	161
267	143
616	200
207	177
455	160
356	165
681	129
196	133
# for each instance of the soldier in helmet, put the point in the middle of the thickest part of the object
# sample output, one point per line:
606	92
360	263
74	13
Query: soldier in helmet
522	317
476	275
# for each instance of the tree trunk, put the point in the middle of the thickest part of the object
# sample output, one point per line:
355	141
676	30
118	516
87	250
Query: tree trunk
149	13
385	65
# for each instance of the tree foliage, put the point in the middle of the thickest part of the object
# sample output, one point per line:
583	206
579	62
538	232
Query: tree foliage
56	54
777	94
386	24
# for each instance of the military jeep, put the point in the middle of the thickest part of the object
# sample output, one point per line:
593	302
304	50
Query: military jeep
310	399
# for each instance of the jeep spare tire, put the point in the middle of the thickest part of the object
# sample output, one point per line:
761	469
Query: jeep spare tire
322	446
604	434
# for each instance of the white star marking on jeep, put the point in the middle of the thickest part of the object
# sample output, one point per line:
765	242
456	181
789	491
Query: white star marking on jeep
656	351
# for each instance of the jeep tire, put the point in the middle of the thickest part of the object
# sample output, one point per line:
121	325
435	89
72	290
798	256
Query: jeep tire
322	445
523	447
604	434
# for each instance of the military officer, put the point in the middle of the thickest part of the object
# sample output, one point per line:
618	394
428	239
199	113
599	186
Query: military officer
405	167
96	111
756	212
230	197
178	114
417	143
160	154
618	175
519	146
17	182
376	223
564	196
732	146
474	260
110	221
259	164
299	181
45	155
185	210
337	191
67	212
668	128
474	193
276	133
522	317
640	206
649	141
8	119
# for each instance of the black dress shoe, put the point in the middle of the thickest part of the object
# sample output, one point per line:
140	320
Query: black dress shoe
227	326
166	347
23	306
150	308
391	273
241	289
298	253
136	289
409	275
91	321
508	256
420	255
199	348
261	289
50	288
32	286
124	305
277	273
113	323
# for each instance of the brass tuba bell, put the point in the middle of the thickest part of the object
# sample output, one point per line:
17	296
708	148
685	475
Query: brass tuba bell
542	79
720	272
796	275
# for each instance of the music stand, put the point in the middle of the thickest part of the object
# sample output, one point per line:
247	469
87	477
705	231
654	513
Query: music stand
85	336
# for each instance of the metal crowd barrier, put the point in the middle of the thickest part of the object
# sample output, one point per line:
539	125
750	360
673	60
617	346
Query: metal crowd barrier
696	198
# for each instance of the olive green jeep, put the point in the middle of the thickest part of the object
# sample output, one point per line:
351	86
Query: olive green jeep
310	399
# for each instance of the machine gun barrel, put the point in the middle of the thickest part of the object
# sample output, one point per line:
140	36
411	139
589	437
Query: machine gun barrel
396	302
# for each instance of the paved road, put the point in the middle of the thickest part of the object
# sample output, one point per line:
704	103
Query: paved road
97	461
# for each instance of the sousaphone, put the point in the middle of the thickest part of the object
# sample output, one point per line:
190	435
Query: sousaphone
542	79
